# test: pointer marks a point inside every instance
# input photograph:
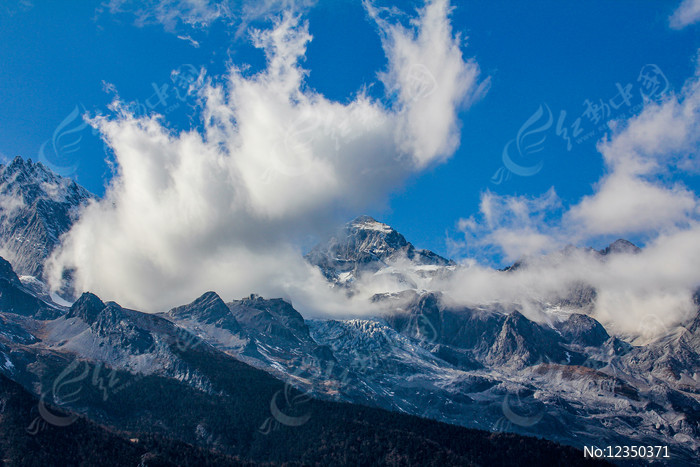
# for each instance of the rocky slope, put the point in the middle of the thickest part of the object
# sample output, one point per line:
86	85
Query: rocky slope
36	208
141	387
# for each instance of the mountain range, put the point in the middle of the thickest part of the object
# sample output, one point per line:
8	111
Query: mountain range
250	380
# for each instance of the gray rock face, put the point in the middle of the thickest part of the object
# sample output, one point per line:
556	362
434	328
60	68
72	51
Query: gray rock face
8	273
275	318
569	383
95	334
521	343
265	333
36	208
208	309
583	330
87	308
492	337
189	393
495	338
112	323
673	359
588	384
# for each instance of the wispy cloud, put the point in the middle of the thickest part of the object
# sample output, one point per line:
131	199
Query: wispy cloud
170	13
189	39
179	15
510	226
276	161
11	7
687	13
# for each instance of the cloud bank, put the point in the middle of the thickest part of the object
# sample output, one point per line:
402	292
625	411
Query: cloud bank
223	209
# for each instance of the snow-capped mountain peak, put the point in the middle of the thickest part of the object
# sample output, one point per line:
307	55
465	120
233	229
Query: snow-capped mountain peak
369	223
367	245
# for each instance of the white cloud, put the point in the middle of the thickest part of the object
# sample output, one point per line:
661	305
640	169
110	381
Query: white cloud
626	205
429	76
512	223
636	196
688	12
223	209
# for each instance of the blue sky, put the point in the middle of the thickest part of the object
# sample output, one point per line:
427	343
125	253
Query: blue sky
558	54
